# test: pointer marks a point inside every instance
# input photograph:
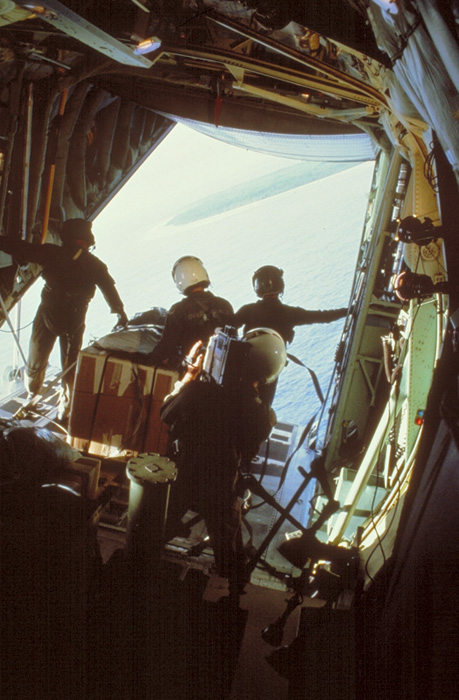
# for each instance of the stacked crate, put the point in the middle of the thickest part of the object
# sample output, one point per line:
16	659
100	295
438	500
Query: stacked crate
116	403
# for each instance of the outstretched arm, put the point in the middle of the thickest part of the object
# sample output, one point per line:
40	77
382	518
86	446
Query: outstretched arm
107	286
303	316
23	251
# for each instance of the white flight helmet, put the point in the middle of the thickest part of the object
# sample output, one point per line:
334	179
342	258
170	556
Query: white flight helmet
188	272
268	355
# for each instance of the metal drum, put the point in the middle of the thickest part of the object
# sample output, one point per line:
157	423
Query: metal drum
151	476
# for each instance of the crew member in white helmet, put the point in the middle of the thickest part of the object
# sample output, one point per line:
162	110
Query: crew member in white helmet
193	318
216	430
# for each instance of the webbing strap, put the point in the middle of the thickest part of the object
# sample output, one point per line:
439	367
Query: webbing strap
206	307
315	381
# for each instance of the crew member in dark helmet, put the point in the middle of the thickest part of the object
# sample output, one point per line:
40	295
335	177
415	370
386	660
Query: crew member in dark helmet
269	311
193	318
71	274
217	430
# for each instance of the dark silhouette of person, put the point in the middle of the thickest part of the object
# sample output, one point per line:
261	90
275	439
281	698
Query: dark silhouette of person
216	430
270	312
71	273
193	318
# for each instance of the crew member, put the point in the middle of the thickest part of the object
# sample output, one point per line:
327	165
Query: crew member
218	429
71	274
269	311
193	318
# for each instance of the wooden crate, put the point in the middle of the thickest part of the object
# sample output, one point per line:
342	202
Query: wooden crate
116	404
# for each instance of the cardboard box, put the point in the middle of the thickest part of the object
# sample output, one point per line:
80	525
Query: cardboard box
116	404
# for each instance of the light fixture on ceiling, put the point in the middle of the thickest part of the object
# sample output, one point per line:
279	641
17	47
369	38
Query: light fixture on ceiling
148	45
40	10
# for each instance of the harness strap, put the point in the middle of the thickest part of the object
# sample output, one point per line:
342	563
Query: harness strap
315	381
211	316
77	254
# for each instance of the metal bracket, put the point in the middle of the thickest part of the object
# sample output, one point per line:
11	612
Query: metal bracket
68	22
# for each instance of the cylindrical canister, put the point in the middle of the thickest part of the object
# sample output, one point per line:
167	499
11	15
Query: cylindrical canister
151	476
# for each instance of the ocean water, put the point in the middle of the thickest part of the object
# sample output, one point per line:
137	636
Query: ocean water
312	231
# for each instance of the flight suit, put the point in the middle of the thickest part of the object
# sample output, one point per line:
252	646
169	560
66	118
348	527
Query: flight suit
193	318
270	312
215	433
71	275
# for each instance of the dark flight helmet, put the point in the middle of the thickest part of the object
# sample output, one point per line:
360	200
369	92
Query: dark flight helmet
77	230
268	280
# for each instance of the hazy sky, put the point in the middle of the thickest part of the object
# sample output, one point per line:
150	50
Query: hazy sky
183	168
187	167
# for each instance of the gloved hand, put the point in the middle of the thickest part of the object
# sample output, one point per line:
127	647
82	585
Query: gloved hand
194	361
122	321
